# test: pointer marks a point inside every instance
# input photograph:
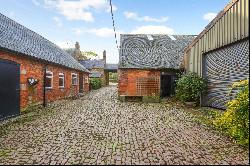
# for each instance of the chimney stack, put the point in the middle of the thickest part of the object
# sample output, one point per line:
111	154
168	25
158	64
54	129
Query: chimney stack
77	46
104	56
77	51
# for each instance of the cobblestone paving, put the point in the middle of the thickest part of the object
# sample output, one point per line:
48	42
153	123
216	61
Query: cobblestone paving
98	129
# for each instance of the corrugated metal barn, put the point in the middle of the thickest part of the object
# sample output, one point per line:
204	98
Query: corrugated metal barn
220	53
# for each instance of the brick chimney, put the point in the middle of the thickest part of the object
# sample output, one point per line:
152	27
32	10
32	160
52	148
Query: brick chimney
77	51
77	46
104	56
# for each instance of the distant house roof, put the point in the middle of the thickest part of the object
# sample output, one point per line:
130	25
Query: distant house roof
19	39
94	63
153	51
110	66
95	74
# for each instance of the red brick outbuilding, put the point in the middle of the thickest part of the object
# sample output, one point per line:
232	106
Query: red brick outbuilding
34	71
148	65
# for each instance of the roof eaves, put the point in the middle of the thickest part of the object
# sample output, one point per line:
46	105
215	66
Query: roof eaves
43	60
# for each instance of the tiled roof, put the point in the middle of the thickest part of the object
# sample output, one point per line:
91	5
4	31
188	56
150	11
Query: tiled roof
17	38
110	66
153	51
95	63
95	75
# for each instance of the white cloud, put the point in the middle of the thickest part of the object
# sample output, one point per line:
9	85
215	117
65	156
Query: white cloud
58	21
134	16
209	16
78	9
65	44
151	29
114	8
35	2
78	31
100	32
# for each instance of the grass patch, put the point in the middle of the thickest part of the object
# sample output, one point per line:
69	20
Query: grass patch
5	152
28	115
207	116
31	108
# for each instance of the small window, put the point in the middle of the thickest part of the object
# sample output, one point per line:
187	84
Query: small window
49	80
74	79
61	80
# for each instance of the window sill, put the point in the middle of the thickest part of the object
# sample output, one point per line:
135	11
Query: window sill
48	88
61	87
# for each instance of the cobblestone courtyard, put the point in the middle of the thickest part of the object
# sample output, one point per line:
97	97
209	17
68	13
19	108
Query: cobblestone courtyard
98	129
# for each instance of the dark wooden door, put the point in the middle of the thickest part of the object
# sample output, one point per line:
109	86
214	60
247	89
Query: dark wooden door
166	85
9	89
81	83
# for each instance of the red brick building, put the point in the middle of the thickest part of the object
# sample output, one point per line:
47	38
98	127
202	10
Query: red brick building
148	65
34	71
99	68
96	67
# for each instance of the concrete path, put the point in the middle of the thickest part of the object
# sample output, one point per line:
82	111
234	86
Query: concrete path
98	129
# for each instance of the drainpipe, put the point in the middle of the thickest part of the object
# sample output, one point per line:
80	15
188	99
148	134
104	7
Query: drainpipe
44	87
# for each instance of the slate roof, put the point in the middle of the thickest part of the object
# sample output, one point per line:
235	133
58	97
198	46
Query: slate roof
110	66
95	74
94	63
145	51
19	39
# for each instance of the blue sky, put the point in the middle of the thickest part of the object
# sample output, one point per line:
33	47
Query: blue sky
89	21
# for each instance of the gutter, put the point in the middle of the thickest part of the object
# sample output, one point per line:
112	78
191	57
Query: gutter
44	86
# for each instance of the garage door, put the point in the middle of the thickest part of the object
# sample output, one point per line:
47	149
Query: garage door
9	89
223	67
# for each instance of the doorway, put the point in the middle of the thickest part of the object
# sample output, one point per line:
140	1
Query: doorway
168	85
9	89
81	84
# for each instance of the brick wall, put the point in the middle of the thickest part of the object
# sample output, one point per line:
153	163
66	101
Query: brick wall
34	68
130	84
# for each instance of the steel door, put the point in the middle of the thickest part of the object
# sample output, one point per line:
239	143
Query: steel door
9	89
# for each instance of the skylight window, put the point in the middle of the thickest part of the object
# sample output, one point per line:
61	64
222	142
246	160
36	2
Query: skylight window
172	37
150	37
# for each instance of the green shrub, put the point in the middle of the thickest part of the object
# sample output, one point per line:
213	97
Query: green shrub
189	87
235	120
95	83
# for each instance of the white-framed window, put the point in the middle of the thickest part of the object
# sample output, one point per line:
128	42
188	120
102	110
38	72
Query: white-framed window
49	80
86	80
61	80
74	79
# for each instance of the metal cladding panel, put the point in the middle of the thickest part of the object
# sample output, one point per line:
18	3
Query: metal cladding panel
231	25
223	67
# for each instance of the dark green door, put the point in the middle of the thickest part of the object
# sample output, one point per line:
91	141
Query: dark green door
9	89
